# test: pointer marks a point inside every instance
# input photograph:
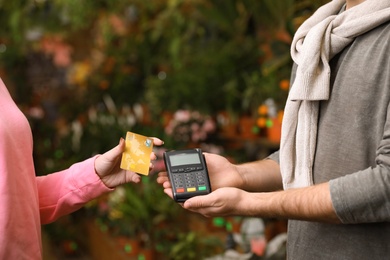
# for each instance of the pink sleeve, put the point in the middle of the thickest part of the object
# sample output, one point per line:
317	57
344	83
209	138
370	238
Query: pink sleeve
66	191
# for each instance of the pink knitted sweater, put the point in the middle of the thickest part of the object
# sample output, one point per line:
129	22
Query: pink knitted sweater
27	201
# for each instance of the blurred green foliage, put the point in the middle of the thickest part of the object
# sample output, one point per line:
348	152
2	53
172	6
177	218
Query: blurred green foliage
72	57
195	54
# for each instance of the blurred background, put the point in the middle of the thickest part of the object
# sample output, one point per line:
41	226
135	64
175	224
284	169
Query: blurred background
212	74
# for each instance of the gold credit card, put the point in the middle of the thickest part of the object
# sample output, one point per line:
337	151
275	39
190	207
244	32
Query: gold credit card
136	156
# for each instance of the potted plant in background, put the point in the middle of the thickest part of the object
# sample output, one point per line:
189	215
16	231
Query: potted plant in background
192	246
150	214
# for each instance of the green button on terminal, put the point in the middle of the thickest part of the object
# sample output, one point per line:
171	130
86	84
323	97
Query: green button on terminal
202	188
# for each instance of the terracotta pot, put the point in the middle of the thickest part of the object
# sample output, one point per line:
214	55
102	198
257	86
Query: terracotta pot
146	254
101	245
274	132
130	246
166	117
227	124
246	126
234	223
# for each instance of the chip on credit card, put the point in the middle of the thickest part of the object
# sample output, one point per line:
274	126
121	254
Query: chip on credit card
136	156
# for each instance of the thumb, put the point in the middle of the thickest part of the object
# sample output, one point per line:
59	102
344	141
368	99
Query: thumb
194	203
116	151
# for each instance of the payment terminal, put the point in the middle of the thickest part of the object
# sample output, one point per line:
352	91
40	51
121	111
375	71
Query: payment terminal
187	172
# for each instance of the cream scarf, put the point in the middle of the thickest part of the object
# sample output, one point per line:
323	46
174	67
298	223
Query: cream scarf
318	39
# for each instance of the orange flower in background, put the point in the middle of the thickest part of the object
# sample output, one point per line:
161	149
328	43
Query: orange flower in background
261	122
262	110
284	84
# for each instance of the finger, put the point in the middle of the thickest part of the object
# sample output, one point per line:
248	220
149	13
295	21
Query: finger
157	141
197	202
130	176
188	205
153	156
167	185
113	154
136	178
206	155
162	179
163	174
195	206
168	192
151	166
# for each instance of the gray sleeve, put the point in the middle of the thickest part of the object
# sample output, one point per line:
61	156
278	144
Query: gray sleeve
274	156
362	197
